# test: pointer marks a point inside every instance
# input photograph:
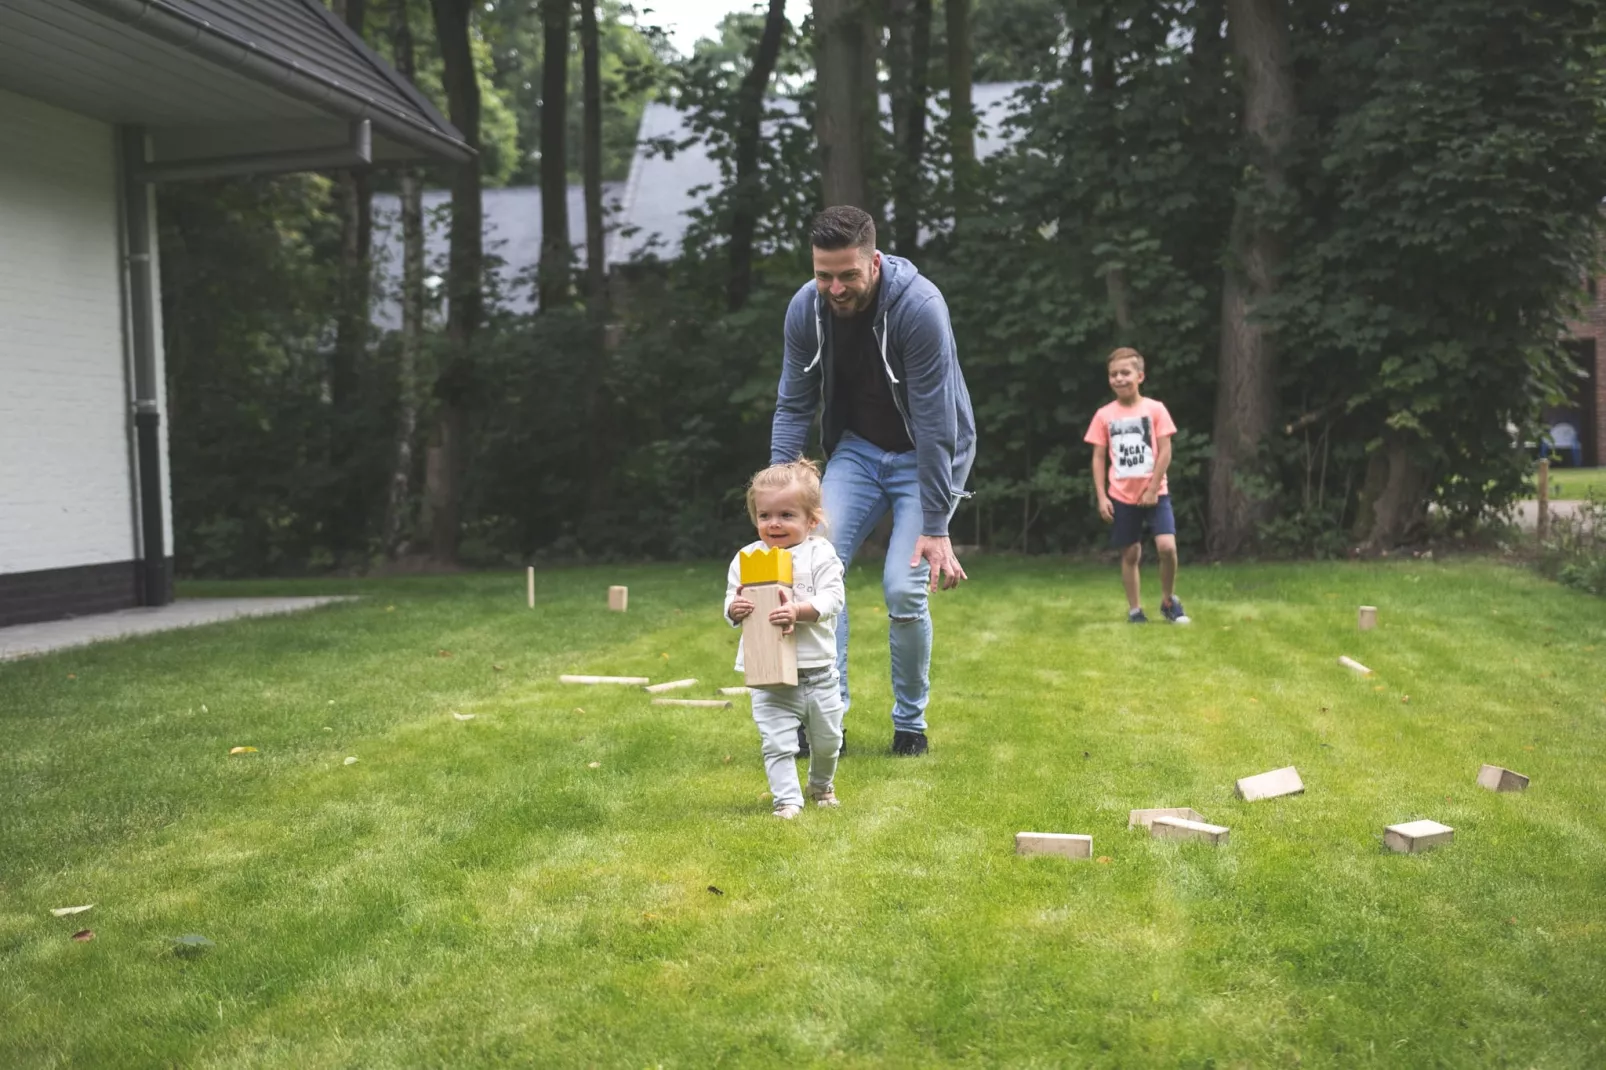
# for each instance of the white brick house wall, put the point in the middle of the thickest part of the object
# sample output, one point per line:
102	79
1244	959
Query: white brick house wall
66	483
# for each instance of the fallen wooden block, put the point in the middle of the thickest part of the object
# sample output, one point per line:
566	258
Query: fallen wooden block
530	581
1366	618
1354	666
1064	844
618	599
603	679
1496	778
1414	836
1270	785
704	703
673	685
735	691
1180	828
1146	817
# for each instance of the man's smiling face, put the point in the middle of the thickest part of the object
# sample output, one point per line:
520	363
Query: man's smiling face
847	278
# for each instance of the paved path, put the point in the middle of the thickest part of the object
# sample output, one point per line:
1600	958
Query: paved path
1527	512
21	640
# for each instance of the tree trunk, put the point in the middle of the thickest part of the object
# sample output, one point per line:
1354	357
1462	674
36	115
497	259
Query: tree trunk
909	56
1246	381
842	100
961	117
399	490
1105	97
1393	508
354	197
554	290
745	198
444	472
591	62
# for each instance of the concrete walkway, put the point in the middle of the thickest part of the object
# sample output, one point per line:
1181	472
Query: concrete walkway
1527	512
22	640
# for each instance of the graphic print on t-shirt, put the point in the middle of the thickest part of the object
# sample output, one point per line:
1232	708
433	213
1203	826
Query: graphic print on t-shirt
1131	447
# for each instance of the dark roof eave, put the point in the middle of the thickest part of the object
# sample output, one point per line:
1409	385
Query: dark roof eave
195	35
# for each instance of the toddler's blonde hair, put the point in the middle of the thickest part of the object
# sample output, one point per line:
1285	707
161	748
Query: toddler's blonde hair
802	473
1125	353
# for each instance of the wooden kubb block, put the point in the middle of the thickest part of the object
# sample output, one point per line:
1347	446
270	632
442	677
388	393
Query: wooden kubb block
1146	817
769	658
1270	785
1180	828
1064	844
1414	836
1496	778
618	599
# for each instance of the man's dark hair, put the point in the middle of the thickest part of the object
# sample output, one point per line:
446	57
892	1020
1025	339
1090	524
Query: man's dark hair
843	227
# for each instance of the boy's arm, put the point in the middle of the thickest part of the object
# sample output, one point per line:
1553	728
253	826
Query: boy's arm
1100	452
1162	461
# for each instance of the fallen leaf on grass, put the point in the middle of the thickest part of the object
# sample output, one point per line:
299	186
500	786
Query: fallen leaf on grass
390	609
1379	687
1104	860
727	759
593	765
463	716
83	936
242	750
579	709
1405	699
350	761
74	676
716	891
665	656
1529	747
62	912
496	668
443	654
204	709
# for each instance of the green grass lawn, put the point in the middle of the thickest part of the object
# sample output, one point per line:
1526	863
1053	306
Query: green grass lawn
536	886
1575	484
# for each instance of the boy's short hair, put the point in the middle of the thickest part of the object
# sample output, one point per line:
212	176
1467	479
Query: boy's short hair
1125	353
843	226
802	473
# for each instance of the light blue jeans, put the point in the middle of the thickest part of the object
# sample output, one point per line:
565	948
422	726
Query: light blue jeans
862	484
815	705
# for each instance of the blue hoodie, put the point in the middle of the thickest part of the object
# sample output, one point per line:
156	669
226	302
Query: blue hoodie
922	366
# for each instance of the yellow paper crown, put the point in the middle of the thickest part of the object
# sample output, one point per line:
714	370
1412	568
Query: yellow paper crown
769	565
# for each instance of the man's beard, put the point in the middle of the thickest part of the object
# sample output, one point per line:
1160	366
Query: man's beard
861	302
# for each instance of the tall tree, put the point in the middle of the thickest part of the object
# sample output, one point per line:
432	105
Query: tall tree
465	297
591	61
747	195
961	115
554	288
908	59
845	99
1246	385
398	497
355	196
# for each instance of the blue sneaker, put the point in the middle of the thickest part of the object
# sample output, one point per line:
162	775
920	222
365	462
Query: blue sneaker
1135	616
1172	611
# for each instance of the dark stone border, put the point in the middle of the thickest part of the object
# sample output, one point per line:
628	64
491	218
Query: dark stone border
57	593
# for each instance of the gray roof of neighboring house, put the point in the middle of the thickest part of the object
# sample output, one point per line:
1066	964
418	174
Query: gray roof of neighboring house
213	77
659	191
512	233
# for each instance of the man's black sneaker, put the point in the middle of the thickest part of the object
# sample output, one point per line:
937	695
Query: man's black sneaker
908	744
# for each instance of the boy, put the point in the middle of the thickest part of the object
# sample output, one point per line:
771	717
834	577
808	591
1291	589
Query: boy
1131	437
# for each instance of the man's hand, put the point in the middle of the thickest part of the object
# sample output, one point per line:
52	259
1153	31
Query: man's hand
938	551
1106	509
740	608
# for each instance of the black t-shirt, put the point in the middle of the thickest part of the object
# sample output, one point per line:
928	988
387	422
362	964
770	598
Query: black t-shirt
862	387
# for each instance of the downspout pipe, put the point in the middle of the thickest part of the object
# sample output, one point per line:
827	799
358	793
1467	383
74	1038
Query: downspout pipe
155	582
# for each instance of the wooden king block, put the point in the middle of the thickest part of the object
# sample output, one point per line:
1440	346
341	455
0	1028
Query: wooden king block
1366	618
1180	828
1496	778
1064	844
768	657
618	598
1270	785
1414	836
1146	817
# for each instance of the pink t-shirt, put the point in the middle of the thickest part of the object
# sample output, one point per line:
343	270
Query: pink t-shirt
1133	437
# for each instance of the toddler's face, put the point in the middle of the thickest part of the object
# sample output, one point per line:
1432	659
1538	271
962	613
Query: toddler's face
782	520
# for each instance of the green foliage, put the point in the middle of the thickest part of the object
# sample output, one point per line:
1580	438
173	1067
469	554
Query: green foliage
1575	551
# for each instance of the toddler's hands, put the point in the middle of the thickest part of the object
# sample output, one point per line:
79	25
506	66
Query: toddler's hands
785	614
740	608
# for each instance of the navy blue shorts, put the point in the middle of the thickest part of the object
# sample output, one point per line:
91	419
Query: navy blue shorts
1131	521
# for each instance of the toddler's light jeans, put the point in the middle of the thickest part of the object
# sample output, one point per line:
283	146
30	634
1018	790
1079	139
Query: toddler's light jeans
816	704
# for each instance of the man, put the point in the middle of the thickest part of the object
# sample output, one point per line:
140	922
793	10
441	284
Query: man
869	347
